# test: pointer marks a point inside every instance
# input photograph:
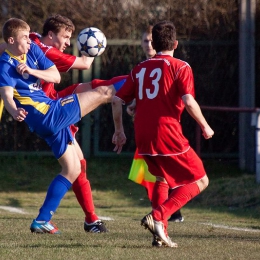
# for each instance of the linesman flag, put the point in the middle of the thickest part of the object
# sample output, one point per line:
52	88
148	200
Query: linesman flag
140	174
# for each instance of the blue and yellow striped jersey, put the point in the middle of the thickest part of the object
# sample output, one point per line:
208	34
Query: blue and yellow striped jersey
28	92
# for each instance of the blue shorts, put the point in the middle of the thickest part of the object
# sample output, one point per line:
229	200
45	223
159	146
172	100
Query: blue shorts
55	126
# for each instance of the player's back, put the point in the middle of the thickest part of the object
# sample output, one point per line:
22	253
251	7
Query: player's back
161	84
161	81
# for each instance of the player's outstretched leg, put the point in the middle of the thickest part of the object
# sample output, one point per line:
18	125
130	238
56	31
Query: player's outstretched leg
117	82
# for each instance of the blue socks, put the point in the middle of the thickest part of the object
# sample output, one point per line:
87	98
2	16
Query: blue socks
56	191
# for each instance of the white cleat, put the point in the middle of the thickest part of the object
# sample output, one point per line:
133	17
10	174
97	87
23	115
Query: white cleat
157	229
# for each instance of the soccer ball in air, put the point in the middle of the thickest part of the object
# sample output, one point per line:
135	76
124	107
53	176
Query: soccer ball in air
91	42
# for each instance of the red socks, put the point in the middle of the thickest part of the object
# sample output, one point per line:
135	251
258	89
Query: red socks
177	199
82	190
100	82
160	193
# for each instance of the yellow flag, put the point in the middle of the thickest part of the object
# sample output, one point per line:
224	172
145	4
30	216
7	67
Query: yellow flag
1	107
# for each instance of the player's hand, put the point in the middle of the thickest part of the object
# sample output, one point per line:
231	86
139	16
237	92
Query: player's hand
119	139
20	114
131	108
207	132
23	69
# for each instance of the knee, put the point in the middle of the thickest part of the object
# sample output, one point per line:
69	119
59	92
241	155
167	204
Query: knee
77	168
203	183
72	171
160	179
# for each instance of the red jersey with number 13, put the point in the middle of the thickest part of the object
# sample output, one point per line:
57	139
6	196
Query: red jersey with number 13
158	85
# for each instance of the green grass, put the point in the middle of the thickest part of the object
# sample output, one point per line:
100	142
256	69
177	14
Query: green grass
221	223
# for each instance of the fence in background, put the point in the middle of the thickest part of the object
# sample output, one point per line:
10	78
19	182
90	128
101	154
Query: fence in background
216	84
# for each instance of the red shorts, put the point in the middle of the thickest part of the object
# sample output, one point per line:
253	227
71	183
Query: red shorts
67	91
178	170
74	129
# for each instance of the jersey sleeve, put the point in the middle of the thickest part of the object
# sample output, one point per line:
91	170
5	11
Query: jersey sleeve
62	60
6	75
185	80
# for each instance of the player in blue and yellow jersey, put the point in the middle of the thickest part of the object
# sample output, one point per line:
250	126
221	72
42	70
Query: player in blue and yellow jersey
55	38
23	69
56	34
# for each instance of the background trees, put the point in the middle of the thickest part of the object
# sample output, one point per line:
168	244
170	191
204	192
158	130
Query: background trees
208	34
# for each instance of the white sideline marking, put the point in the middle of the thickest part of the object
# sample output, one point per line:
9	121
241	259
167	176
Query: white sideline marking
105	218
13	209
231	228
21	211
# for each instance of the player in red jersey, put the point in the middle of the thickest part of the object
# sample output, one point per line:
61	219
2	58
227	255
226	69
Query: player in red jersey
55	38
163	86
146	179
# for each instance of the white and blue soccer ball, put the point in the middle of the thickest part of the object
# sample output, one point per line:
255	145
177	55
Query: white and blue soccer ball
91	42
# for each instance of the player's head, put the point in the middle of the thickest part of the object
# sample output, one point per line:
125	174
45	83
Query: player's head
57	30
16	34
164	36
146	42
12	27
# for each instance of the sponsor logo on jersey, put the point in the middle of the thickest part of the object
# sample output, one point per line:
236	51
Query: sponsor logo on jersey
35	86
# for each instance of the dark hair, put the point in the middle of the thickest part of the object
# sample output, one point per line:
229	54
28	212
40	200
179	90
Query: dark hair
164	36
12	26
148	28
55	23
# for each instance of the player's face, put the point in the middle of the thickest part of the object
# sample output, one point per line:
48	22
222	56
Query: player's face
61	40
20	44
147	45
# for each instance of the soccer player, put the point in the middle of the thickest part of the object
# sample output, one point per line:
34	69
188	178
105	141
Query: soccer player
163	86
139	172
55	38
23	69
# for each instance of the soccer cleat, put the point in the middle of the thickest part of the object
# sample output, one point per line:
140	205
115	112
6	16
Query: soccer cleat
157	242
41	227
157	229
169	243
148	223
96	227
176	219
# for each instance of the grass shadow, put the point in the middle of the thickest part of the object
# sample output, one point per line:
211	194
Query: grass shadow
230	189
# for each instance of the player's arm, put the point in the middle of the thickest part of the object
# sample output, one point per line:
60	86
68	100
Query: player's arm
7	94
194	110
82	63
119	137
50	75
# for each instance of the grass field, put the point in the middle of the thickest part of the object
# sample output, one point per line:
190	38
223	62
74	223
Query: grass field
221	223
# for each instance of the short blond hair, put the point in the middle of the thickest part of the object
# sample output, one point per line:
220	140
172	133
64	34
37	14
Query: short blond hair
12	26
